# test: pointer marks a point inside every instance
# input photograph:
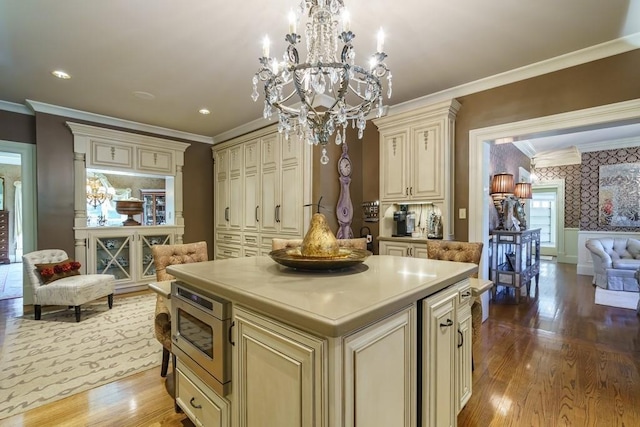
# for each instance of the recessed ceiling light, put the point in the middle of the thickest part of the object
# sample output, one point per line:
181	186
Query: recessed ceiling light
144	95
204	111
61	74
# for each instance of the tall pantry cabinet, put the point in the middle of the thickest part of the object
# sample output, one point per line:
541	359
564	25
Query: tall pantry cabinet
262	182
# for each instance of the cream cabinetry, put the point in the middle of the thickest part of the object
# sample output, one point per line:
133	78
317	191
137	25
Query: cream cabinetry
446	355
464	346
228	188
201	404
379	384
125	252
262	182
416	158
396	248
278	374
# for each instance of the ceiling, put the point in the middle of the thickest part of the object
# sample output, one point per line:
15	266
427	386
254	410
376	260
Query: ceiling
203	53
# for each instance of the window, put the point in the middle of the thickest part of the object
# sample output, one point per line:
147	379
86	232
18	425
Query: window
543	215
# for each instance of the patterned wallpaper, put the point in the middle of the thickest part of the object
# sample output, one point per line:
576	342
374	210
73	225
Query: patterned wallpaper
589	179
505	158
571	176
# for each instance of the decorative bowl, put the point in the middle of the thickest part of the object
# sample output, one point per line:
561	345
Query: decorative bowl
129	208
292	257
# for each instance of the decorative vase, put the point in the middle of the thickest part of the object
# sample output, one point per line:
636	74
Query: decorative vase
129	208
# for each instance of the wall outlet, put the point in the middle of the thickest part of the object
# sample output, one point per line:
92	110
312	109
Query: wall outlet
369	238
462	213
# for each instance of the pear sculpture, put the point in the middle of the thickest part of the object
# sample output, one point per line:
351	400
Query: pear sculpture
319	240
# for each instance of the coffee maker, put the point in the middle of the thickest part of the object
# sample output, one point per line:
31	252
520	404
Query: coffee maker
405	222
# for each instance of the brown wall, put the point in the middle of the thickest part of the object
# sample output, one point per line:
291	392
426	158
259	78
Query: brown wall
54	154
16	127
601	82
364	155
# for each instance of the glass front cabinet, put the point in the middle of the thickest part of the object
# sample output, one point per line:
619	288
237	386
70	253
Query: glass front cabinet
125	252
154	207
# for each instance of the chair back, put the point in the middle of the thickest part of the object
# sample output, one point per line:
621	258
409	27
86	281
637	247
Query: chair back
359	243
185	253
45	256
450	250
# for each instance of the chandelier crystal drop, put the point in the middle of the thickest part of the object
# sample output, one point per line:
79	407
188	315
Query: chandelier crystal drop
318	97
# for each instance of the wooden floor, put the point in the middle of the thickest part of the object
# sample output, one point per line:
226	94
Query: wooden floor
556	359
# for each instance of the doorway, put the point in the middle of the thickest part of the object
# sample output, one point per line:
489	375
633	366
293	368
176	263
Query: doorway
564	123
17	168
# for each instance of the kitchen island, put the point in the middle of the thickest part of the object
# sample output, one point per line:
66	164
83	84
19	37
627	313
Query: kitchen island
366	346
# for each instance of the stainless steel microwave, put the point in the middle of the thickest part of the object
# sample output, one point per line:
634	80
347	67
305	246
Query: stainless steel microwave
201	334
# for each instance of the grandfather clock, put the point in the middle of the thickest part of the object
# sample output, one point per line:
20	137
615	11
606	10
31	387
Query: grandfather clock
344	210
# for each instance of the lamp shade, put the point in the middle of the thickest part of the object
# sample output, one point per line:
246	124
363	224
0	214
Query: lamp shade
502	183
523	190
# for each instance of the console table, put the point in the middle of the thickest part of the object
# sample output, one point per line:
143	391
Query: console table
514	259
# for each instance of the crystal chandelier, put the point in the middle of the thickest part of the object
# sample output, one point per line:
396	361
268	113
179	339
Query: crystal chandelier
97	193
322	95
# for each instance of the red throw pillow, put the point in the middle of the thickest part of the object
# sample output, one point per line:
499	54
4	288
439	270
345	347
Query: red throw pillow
57	270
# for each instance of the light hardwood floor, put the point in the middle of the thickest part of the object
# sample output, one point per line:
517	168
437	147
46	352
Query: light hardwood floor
556	359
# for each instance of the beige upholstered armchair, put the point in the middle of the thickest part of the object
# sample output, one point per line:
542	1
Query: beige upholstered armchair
164	256
359	243
56	282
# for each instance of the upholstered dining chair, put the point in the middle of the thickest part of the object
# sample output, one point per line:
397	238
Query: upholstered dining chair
358	243
55	280
450	250
164	256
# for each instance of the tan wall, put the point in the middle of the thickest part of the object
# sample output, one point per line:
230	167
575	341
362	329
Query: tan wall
597	83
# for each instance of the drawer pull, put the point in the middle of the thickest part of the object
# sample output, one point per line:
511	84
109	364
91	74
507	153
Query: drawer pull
227	237
194	405
466	294
445	325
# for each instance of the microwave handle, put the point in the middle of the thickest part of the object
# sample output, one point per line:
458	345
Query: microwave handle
230	336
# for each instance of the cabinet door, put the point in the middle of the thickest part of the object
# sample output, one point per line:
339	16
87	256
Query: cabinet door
236	201
427	180
463	356
146	241
155	161
394	248
222	190
289	211
379	375
394	167
114	256
278	373
110	154
270	188
419	251
251	182
438	359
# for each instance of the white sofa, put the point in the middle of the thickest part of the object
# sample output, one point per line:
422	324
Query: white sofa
615	263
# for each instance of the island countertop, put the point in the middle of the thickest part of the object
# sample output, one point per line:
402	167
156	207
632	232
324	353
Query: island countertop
326	303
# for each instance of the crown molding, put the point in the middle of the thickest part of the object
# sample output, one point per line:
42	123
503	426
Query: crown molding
15	108
572	59
41	107
610	145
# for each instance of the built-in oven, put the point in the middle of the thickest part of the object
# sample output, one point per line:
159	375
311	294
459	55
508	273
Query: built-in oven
201	334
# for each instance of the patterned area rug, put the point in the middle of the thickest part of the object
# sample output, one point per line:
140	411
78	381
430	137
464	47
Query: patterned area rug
47	360
621	299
